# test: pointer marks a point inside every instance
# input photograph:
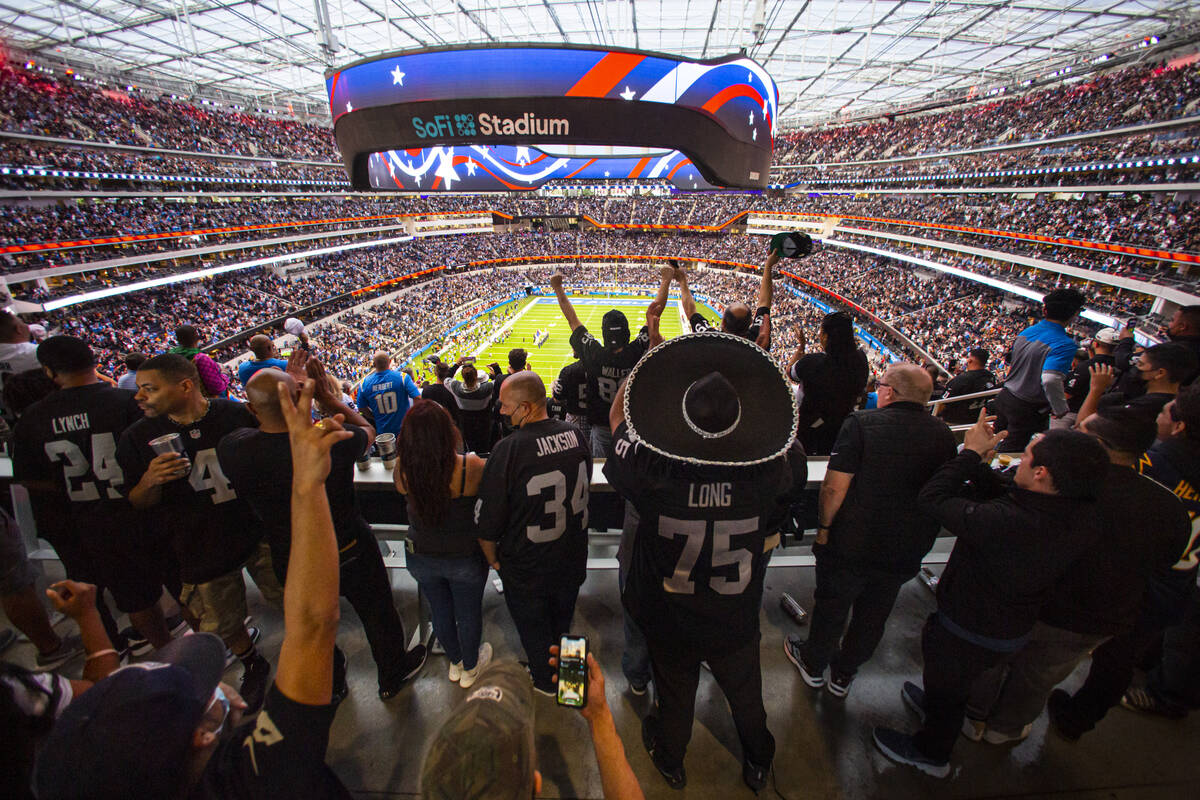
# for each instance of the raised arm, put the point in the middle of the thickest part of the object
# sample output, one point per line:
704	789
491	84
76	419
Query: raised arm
78	601
655	310
564	304
310	597
332	402
766	289
685	294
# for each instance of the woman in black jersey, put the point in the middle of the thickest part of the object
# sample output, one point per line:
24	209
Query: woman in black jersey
443	552
829	383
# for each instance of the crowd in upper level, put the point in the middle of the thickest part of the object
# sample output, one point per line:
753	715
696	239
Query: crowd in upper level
1146	93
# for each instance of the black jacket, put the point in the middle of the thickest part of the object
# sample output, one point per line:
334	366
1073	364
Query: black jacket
1012	546
891	452
1142	529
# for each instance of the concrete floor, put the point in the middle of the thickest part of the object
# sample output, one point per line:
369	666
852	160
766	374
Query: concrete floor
824	745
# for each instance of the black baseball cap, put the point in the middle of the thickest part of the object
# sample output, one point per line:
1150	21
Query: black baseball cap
615	328
131	733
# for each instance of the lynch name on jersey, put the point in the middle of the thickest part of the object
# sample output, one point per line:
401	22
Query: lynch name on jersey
69	423
558	443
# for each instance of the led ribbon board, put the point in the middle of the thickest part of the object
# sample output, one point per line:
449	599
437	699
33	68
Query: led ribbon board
443	112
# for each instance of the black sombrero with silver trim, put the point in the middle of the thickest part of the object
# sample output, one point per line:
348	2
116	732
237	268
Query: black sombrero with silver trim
711	398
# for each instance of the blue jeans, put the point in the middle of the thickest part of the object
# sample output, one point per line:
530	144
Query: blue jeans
454	589
601	441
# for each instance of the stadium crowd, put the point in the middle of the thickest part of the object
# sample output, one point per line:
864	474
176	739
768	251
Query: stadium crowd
1013	618
1146	93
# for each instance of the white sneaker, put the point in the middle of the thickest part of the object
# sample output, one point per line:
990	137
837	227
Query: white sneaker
470	675
456	671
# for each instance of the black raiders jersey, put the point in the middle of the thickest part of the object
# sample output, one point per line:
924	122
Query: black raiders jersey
698	562
571	388
968	382
212	529
533	501
70	439
606	369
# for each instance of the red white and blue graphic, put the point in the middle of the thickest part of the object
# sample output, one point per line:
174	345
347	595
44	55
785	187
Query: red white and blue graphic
736	91
500	168
503	114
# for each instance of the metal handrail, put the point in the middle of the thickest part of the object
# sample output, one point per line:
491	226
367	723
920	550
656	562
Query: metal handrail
972	396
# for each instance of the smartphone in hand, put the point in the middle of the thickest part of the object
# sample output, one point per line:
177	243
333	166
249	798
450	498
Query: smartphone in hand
572	671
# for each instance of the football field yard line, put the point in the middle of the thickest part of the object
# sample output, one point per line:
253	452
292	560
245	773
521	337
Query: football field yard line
552	356
505	326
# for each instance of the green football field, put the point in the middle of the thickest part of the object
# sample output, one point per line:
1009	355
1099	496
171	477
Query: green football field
542	313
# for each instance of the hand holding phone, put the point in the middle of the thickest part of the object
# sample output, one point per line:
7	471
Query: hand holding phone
572	677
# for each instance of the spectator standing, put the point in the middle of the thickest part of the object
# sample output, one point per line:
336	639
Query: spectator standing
532	517
607	363
707	458
828	383
871	535
1173	461
570	390
474	399
1013	545
213	381
175	730
736	318
1100	595
17	353
1035	385
190	502
1184	328
129	379
258	462
65	449
265	355
1099	351
975	378
387	393
22	605
1154	379
440	484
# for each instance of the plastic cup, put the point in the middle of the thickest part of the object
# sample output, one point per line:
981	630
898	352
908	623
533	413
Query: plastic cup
386	442
170	443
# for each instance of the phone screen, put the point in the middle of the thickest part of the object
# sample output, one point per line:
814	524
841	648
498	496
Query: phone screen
572	671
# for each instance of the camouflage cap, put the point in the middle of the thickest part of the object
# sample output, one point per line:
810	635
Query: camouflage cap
484	750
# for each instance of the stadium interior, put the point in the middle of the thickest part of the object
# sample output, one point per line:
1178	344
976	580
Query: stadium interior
166	165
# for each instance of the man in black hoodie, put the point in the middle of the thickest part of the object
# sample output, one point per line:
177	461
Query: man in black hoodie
1013	544
1145	527
1174	461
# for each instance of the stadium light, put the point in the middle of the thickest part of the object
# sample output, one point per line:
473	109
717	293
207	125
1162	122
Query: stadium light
114	291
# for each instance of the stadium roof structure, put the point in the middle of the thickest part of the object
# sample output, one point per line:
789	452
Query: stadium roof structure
829	57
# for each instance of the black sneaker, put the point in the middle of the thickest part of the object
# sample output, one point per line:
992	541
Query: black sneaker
8	637
413	662
839	684
812	679
675	776
135	643
914	697
69	648
255	680
341	690
900	748
177	626
755	776
1058	708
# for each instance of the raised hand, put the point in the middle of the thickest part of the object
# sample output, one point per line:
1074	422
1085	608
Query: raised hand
310	443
